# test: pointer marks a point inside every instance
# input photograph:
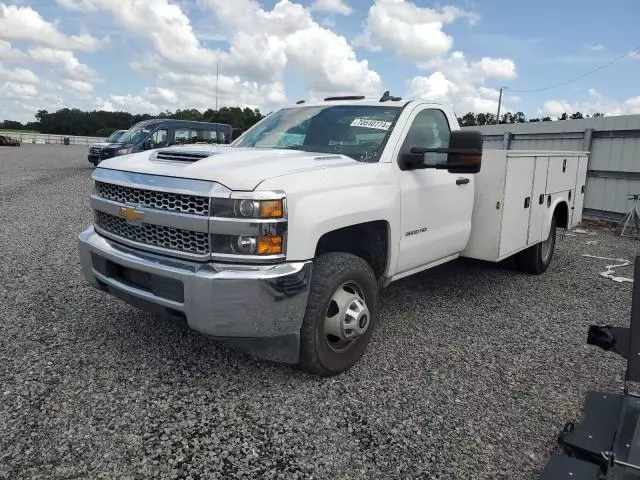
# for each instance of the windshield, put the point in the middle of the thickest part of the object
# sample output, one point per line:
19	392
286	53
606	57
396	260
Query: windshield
135	134
115	136
358	131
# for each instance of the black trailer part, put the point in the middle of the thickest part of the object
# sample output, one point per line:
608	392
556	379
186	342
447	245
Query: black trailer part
605	444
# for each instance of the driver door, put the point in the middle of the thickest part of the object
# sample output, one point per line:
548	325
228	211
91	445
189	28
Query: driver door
436	205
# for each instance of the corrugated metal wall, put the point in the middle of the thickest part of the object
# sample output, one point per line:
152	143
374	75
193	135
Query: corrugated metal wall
614	163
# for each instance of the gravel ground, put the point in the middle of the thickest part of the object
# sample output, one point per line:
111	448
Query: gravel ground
473	370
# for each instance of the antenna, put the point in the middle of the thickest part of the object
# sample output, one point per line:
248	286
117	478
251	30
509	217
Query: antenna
387	97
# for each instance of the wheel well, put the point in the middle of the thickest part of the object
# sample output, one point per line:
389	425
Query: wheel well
561	213
369	241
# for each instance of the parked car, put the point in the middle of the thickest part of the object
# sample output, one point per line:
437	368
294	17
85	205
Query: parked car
158	133
280	243
96	148
8	141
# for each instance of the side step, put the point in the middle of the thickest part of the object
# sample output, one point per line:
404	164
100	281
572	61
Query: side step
563	467
596	431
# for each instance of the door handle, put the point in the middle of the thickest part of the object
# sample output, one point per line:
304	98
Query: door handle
462	181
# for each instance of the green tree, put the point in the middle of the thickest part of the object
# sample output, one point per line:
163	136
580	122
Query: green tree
467	120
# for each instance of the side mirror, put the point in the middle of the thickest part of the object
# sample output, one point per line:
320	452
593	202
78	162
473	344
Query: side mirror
146	145
463	155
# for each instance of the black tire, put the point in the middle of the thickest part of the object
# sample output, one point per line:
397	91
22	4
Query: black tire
536	259
331	272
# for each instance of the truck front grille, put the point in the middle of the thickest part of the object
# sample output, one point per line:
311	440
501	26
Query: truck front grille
95	150
173	202
185	241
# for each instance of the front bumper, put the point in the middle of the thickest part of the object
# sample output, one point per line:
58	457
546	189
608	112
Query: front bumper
258	308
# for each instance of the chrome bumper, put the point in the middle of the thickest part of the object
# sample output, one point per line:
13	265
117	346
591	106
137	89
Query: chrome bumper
252	302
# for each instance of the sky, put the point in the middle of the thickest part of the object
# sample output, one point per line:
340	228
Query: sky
157	55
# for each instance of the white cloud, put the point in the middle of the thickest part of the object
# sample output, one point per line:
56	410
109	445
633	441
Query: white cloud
594	103
164	24
595	48
332	6
634	54
13	90
464	97
412	32
24	23
8	53
79	86
268	41
496	67
462	83
64	62
20	75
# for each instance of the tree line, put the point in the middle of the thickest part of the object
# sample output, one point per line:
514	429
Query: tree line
73	121
472	119
102	123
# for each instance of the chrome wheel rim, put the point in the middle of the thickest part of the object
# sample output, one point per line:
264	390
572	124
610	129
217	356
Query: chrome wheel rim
347	317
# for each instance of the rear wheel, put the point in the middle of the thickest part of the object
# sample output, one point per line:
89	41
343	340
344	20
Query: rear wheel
536	259
341	314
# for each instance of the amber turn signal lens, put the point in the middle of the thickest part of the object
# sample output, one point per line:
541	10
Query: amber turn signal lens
270	245
271	209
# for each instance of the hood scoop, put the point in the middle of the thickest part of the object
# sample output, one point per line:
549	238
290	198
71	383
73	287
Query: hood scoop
182	155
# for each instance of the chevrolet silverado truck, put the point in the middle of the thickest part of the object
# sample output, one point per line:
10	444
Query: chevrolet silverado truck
280	243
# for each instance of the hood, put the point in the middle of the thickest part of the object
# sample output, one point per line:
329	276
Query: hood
99	144
235	168
114	146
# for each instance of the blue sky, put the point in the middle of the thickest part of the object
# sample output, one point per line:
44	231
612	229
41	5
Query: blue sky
162	54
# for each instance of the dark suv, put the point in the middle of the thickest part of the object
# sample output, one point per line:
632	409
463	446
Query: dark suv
159	133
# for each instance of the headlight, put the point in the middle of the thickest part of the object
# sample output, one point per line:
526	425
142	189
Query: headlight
124	151
247	208
248	245
249	226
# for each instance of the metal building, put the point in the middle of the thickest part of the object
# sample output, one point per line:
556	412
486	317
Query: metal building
614	163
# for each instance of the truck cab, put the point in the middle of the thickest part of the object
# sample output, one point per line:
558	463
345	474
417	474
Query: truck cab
281	242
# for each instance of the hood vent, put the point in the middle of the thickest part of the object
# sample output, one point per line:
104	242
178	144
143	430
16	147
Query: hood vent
182	155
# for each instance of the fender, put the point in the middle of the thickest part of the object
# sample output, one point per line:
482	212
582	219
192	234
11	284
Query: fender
325	200
556	200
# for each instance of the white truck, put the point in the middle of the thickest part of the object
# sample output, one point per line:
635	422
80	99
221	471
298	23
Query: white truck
280	243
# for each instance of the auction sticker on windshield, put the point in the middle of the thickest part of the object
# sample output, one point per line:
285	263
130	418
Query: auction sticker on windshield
377	124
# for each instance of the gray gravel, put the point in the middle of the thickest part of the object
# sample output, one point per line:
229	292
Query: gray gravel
472	372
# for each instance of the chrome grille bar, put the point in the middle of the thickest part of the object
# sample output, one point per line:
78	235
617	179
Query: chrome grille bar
186	241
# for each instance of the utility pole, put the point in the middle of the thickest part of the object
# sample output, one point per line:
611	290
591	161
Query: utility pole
499	105
217	75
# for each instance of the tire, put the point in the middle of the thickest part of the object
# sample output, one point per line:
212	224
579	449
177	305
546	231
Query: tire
338	279
536	259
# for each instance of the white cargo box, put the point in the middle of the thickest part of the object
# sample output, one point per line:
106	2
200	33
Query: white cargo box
516	193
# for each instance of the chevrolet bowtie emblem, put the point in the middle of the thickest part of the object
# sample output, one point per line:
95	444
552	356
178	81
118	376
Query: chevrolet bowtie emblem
130	214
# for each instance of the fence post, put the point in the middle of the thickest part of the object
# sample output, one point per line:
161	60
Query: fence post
506	141
587	139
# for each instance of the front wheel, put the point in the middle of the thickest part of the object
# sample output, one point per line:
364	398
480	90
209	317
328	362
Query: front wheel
537	258
341	314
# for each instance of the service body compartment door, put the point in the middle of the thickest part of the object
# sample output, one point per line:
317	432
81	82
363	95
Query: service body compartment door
578	195
562	173
538	201
517	204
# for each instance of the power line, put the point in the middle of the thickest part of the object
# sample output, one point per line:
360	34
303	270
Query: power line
579	76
